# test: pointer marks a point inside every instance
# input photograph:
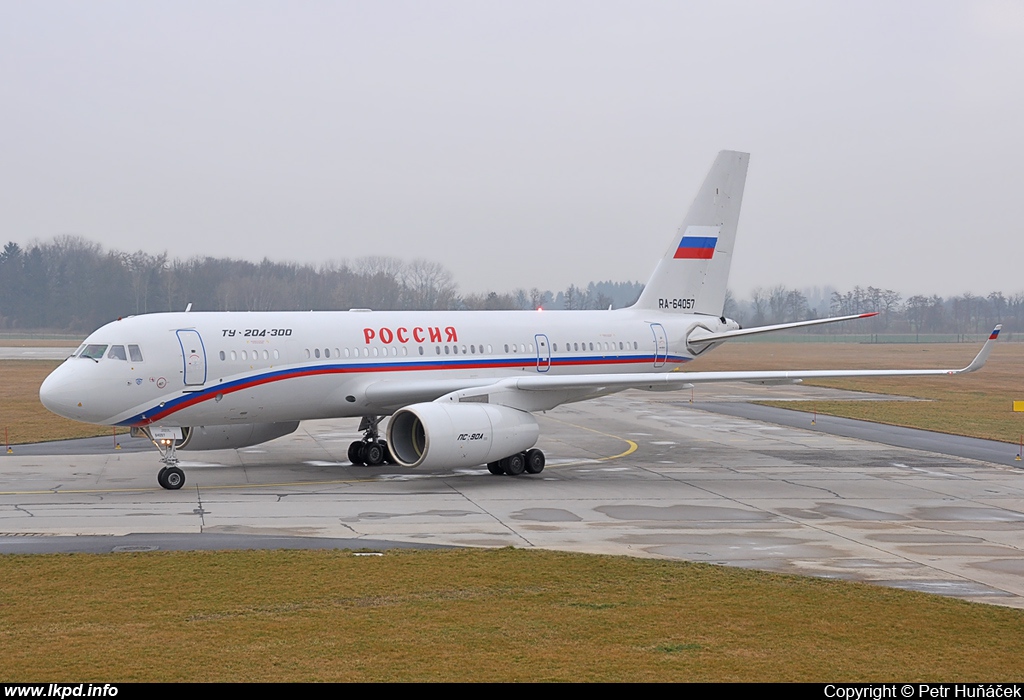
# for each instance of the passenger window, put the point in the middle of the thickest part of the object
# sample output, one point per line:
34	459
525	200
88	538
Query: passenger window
136	354
222	356
117	353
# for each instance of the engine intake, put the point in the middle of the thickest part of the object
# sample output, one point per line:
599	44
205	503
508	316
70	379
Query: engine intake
454	435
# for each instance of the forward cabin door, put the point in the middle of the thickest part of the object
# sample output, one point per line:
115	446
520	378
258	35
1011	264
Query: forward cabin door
660	344
193	356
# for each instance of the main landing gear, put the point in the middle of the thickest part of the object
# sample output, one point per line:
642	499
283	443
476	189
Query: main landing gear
531	462
371	450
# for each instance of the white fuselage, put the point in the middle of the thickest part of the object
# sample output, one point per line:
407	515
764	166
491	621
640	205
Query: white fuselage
220	368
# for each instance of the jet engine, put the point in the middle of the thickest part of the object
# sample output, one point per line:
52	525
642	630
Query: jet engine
461	434
229	437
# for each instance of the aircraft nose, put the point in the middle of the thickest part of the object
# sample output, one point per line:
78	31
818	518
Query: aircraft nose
53	392
65	391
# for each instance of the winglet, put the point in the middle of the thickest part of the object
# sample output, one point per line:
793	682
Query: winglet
986	350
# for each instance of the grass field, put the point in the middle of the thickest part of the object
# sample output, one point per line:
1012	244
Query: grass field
483	615
21	414
978	404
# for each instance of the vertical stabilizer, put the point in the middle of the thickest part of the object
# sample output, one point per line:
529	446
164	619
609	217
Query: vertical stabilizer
692	275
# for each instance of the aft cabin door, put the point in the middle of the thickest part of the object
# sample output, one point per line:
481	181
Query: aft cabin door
660	344
543	353
193	355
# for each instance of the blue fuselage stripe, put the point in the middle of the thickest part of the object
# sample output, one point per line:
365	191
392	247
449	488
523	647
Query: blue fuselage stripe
192	398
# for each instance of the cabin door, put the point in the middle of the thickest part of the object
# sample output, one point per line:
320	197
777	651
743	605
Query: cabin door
543	353
193	356
660	344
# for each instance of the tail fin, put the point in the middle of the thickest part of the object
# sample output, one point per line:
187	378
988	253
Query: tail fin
693	274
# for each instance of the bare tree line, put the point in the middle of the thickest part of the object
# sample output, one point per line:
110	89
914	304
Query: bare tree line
72	284
966	313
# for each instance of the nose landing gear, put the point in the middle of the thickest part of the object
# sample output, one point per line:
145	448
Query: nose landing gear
171	478
166	440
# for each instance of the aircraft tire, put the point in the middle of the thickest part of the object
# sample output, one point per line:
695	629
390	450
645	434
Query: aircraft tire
514	464
495	468
388	459
161	477
353	453
174	478
372	454
534	461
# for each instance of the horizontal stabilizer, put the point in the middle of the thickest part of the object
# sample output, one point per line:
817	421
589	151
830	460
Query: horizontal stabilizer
701	336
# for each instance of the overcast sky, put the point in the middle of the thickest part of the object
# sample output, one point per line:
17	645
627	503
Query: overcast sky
525	143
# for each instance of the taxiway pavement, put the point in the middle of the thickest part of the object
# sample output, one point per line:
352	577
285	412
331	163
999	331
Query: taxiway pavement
640	474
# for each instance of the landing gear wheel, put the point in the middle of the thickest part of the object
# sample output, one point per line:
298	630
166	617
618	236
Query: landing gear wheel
514	464
495	468
534	461
171	478
353	453
372	454
388	459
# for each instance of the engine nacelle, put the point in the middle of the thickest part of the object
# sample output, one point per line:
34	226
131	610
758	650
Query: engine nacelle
458	434
229	437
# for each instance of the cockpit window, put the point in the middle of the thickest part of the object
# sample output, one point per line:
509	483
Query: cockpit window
117	353
135	353
76	352
94	352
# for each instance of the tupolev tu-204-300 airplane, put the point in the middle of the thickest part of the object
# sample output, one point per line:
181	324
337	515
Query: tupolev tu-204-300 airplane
460	386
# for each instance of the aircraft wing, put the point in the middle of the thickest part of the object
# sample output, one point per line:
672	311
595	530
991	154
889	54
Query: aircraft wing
543	392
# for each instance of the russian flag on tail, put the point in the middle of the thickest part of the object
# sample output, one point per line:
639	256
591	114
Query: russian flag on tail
697	243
